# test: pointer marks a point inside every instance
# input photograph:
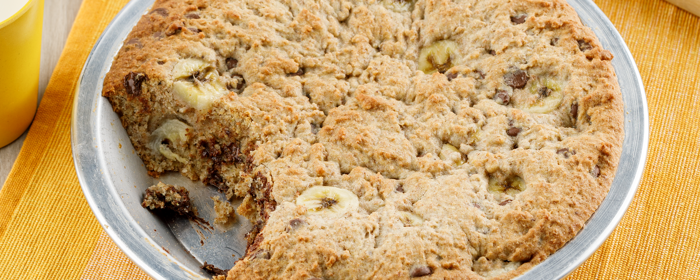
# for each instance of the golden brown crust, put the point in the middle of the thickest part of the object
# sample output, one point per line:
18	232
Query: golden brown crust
479	170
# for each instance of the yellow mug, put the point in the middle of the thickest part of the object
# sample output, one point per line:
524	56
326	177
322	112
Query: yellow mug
20	50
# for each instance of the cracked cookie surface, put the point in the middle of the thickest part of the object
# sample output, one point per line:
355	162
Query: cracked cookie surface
379	139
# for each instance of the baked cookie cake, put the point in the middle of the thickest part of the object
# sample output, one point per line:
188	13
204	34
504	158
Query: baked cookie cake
379	139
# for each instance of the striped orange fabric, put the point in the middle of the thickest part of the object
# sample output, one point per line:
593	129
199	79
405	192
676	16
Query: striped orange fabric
659	237
108	262
48	232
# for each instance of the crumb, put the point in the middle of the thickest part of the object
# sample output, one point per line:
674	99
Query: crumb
225	213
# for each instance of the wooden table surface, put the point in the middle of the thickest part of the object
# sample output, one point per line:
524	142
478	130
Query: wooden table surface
58	19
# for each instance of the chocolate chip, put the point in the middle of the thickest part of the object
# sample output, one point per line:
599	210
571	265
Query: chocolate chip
481	74
134	41
262	254
231	63
596	171
574	110
400	188
554	41
240	83
516	79
566	152
518	19
161	11
584	46
192	16
491	52
502	97
421	271
194	30
220	152
451	76
513	131
173	29
315	128
295	223
544	91
505	202
299	72
133	81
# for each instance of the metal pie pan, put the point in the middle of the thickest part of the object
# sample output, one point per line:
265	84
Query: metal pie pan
113	177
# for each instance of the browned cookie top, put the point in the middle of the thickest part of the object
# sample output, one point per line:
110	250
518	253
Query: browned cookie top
379	139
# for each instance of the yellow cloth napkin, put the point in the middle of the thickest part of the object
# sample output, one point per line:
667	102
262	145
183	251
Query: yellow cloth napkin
47	230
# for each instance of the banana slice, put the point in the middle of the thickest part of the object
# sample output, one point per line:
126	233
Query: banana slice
175	132
200	95
197	83
437	57
549	96
512	186
409	219
451	154
329	201
186	67
546	105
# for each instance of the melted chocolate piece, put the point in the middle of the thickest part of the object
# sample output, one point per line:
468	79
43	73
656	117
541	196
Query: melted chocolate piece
133	82
513	131
518	19
566	152
574	110
584	46
231	63
400	188
240	84
502	97
299	72
134	41
596	171
421	271
296	223
160	11
554	41
505	202
451	76
516	79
